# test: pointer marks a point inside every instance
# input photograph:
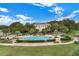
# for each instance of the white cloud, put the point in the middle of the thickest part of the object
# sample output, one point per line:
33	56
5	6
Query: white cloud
44	4
73	14
3	9
77	11
38	5
76	21
23	19
7	20
61	18
57	10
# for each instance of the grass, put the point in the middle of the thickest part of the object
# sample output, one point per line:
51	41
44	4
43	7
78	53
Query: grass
5	41
73	32
65	41
59	50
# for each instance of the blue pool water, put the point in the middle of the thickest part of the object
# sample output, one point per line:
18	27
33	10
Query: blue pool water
37	38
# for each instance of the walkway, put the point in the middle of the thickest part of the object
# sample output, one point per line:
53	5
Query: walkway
35	44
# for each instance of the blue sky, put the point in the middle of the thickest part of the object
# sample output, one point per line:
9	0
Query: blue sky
37	12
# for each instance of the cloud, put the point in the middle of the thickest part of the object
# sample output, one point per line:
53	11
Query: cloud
7	20
23	19
76	11
40	5
73	14
57	10
61	18
3	9
44	4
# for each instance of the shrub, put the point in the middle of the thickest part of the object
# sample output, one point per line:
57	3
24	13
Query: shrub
65	37
75	53
18	41
76	42
23	41
56	42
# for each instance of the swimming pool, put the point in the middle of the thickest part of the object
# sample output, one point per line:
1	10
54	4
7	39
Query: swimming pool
37	38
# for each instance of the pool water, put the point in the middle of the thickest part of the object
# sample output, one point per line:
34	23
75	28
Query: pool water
37	38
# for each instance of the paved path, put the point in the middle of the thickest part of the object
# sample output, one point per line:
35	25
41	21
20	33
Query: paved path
35	44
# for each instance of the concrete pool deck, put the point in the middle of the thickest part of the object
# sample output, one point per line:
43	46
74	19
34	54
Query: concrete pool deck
35	44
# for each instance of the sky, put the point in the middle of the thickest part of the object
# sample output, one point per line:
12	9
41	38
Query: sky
37	12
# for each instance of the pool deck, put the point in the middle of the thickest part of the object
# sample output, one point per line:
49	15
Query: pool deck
35	44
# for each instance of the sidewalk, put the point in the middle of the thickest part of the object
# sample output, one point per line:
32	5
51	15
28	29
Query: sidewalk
35	44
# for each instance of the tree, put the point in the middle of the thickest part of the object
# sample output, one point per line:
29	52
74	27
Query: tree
46	30
77	26
17	33
16	27
69	23
4	28
65	25
30	28
63	29
1	33
56	32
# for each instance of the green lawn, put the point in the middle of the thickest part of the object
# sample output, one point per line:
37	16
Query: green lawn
73	32
60	50
5	41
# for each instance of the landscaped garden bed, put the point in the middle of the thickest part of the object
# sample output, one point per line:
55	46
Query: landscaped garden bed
25	41
65	38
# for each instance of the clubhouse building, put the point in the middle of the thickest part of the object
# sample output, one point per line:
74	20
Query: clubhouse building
41	26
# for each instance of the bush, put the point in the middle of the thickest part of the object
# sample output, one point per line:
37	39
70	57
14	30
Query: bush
56	42
23	41
65	37
18	41
76	42
75	53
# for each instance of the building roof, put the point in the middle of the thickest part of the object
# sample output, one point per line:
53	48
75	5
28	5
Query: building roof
40	23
